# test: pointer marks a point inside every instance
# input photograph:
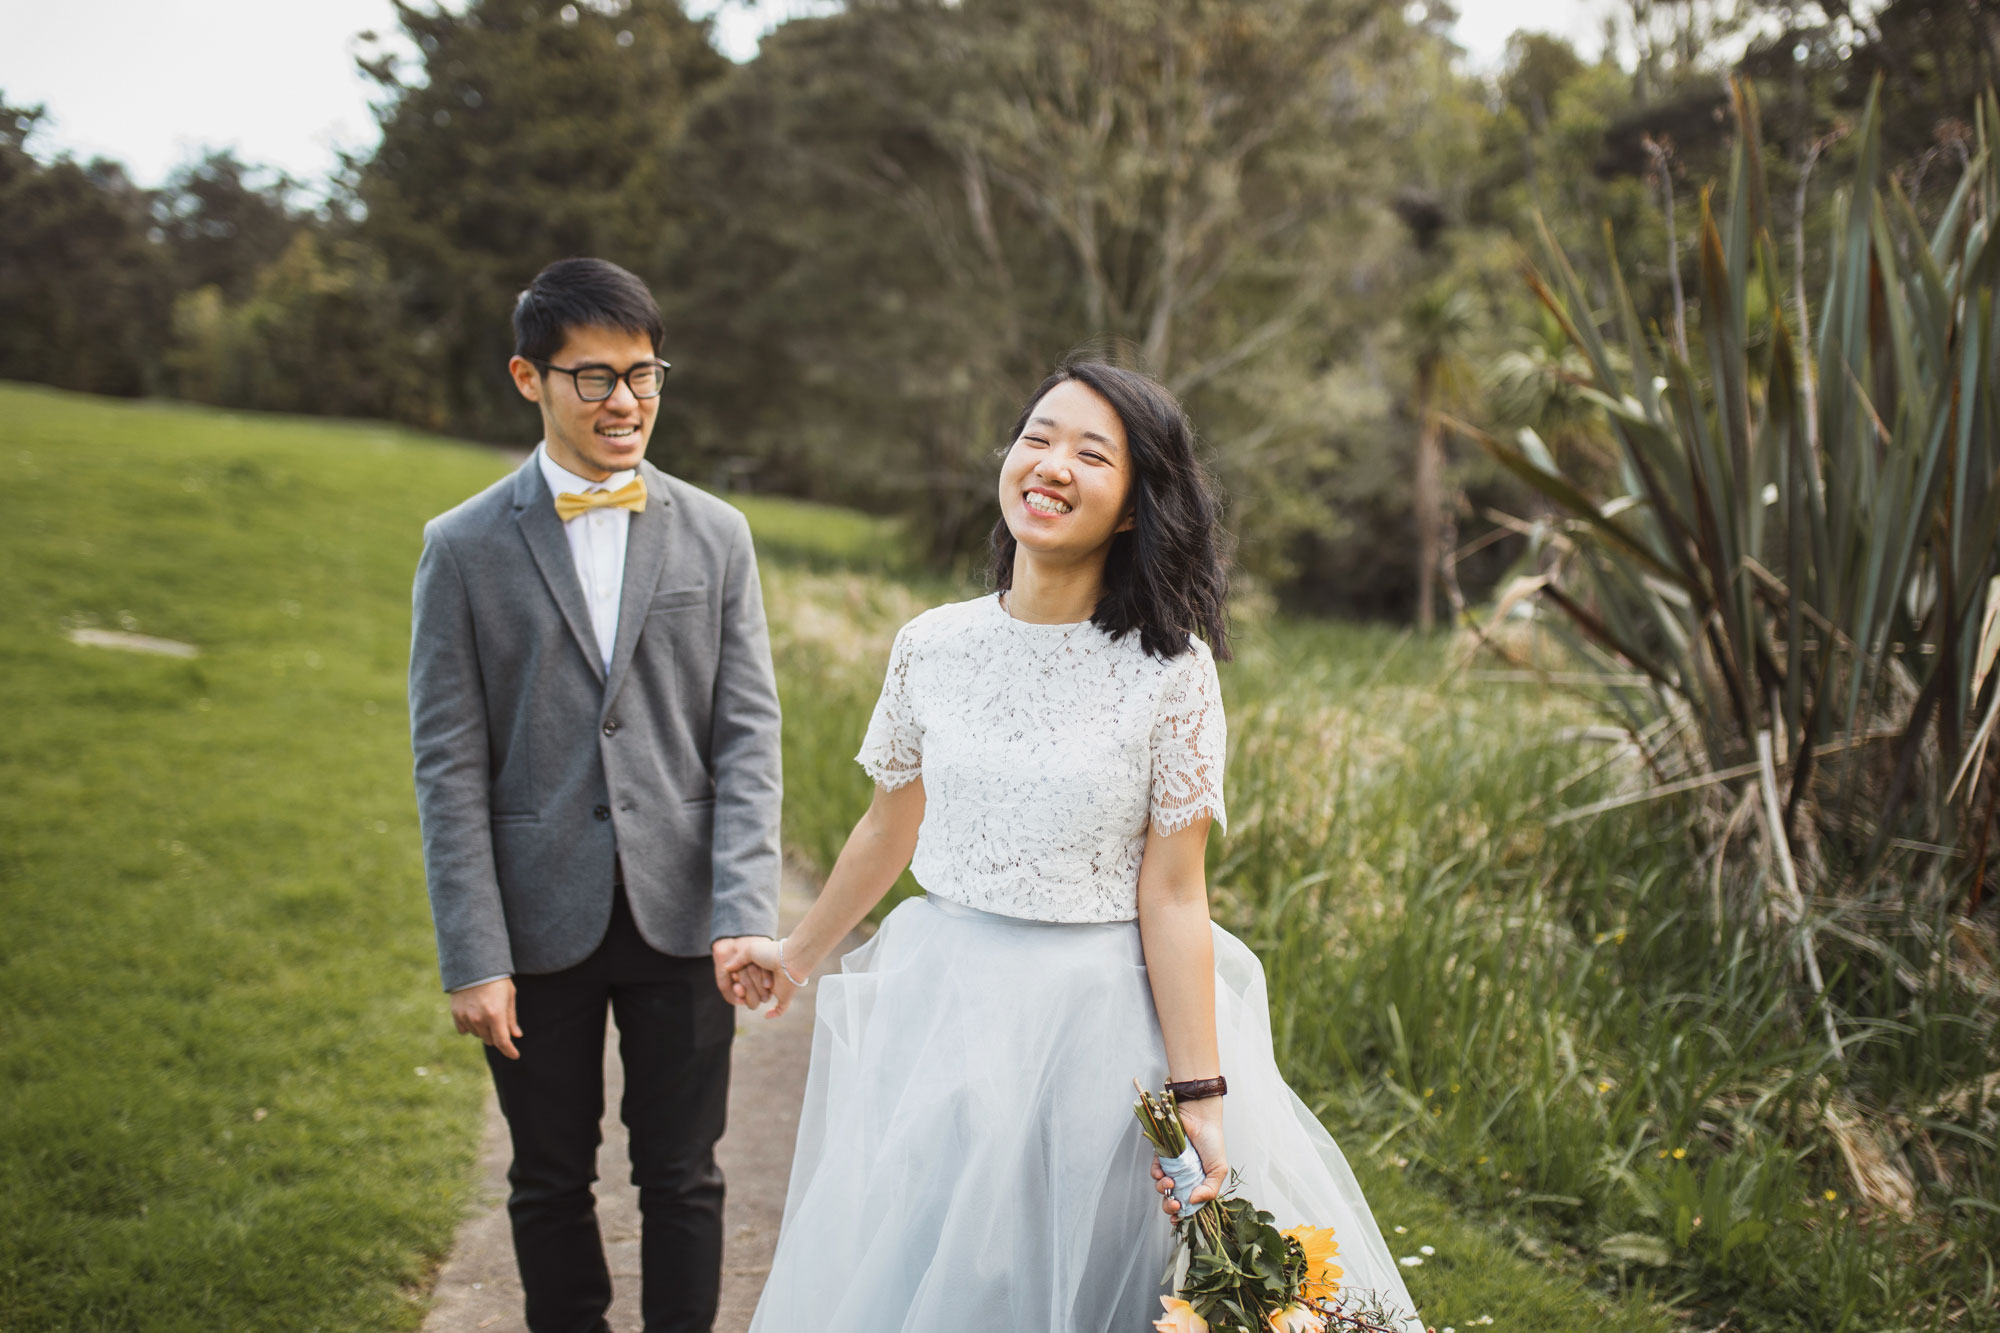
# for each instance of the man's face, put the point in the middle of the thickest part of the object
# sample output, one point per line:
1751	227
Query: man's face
593	440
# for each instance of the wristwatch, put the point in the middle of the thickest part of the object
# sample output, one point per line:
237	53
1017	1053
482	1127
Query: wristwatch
1195	1089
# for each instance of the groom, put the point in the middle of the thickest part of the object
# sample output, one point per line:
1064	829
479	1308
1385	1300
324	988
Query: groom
596	734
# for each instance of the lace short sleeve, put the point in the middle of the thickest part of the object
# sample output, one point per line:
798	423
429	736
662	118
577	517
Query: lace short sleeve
1190	742
893	750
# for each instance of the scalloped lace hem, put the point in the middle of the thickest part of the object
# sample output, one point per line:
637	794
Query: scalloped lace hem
889	779
1171	823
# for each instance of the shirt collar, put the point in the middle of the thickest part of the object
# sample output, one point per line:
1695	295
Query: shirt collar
561	479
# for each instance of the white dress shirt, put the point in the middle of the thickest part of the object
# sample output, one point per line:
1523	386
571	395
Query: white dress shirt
596	544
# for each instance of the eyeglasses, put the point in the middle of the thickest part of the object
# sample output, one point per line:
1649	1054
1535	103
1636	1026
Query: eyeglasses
594	384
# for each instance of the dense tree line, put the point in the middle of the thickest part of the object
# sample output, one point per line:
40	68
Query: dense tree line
874	236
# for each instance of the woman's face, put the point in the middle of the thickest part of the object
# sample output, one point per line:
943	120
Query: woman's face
1066	484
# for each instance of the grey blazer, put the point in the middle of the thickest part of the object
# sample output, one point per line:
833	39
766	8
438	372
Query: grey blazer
538	773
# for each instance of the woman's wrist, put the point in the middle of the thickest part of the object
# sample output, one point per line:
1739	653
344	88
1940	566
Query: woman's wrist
797	970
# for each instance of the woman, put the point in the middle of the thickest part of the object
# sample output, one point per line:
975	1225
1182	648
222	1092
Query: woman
1052	757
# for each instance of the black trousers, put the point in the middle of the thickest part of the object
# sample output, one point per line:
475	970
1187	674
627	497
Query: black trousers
674	1034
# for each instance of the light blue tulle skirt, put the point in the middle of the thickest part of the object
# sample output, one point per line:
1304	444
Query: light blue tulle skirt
967	1157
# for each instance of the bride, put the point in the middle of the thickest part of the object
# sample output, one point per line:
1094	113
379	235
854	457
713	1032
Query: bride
1048	761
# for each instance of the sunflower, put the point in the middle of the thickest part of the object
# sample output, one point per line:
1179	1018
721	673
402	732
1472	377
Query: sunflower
1322	1274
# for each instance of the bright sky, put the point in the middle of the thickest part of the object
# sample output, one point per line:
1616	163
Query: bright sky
153	82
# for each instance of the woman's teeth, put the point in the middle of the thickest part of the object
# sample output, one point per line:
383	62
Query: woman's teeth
1045	504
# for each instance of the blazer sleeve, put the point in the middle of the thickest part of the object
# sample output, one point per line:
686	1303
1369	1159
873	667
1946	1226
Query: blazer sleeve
454	802
744	744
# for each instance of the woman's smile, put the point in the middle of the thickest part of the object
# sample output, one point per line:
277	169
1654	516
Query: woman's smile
1041	501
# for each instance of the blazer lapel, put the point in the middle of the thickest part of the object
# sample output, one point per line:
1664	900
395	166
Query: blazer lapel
645	558
535	511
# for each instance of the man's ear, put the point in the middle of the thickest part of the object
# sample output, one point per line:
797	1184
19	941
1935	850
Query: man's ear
527	377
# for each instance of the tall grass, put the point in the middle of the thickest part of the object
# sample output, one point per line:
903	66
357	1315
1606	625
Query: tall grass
1549	1020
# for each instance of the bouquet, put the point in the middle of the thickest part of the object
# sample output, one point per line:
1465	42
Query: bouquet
1234	1271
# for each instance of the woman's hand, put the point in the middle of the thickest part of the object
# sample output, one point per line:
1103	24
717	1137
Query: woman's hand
764	954
1203	1122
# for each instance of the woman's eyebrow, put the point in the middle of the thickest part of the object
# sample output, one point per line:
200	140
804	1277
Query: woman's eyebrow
1056	425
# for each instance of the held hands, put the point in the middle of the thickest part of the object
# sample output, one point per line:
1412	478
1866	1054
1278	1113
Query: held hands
764	955
1203	1122
740	978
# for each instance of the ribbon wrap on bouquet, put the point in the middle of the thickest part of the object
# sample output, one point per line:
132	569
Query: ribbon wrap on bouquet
1186	1172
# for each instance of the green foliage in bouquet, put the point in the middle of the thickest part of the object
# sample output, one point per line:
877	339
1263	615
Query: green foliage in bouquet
1241	1269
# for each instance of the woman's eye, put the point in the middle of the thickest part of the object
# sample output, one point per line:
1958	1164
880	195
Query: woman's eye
1096	457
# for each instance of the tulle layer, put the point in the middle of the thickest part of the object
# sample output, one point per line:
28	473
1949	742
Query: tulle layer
967	1157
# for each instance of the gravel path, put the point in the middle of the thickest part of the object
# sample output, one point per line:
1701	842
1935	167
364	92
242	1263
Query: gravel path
478	1291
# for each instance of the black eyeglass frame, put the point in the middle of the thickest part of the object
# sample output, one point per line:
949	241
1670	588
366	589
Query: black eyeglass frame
616	376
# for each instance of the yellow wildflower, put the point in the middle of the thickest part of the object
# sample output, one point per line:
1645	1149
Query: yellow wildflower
1179	1318
1295	1319
1322	1274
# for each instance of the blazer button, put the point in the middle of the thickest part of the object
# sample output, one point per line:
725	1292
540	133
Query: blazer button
610	727
602	812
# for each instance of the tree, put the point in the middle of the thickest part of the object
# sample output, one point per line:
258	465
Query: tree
1676	40
940	200
1436	328
83	291
220	229
321	333
533	133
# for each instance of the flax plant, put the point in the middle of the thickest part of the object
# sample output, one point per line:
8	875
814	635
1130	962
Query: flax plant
1786	594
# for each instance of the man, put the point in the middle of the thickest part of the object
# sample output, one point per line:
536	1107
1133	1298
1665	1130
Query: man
595	724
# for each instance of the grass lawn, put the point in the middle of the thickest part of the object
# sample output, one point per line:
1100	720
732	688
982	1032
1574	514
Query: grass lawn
229	1094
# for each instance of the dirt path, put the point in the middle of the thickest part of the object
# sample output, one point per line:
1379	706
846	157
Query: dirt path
478	1291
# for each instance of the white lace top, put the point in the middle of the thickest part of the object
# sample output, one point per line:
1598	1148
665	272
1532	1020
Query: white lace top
1045	750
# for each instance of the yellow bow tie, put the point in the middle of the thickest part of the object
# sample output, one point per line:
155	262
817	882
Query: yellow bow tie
632	496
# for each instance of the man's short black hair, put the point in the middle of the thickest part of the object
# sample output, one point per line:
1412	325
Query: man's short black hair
582	293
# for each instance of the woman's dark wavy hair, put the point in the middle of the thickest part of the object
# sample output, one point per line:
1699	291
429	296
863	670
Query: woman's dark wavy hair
1168	577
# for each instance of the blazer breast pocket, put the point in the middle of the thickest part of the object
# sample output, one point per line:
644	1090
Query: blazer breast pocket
669	600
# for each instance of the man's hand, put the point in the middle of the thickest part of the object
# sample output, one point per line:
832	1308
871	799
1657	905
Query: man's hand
486	1011
739	979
